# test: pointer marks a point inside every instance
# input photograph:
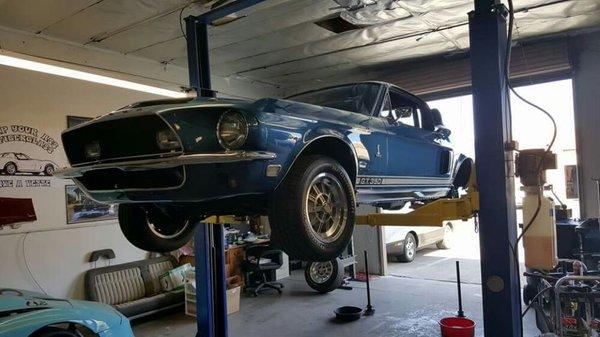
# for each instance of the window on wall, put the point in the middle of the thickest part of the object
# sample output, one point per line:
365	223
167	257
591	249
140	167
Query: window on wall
529	127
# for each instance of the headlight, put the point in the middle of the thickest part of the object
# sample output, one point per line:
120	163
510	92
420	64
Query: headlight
92	150
167	140
232	130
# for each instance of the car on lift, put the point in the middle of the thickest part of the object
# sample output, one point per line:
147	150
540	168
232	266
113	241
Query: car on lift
306	161
403	242
16	162
27	313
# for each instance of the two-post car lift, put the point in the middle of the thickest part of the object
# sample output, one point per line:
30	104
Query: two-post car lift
494	202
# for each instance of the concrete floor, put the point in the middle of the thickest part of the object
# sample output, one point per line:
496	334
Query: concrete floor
404	307
408	303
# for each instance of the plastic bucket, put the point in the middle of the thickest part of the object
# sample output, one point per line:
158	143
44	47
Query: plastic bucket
457	327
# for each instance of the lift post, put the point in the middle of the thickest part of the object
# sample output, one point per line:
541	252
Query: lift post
497	214
209	245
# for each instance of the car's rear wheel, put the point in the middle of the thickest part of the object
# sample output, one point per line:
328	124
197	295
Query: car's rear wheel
312	211
325	276
10	168
448	239
49	169
155	228
410	248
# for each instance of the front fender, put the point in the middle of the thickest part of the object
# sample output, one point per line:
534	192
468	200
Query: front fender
96	321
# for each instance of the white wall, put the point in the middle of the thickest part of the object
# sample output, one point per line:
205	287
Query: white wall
55	251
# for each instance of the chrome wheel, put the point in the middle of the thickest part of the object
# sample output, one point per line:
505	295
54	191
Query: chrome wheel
10	169
320	272
165	227
410	247
326	206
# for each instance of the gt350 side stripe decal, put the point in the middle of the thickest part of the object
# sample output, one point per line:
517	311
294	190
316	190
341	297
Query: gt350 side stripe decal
374	180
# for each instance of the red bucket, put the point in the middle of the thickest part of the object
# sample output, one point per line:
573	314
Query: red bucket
457	327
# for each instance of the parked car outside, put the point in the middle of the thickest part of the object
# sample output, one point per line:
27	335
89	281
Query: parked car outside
305	161
26	313
403	242
16	162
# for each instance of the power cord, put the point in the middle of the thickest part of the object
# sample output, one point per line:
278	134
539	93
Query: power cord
26	262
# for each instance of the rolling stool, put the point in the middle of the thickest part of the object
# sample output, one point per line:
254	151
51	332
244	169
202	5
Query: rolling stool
261	260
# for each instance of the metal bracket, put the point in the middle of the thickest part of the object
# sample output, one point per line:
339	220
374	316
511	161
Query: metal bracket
433	213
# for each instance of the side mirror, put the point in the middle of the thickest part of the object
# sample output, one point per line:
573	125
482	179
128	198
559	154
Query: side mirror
436	117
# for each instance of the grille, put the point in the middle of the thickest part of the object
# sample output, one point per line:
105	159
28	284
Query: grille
120	138
116	179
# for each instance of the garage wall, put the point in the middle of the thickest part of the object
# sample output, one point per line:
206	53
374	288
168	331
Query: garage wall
55	252
586	86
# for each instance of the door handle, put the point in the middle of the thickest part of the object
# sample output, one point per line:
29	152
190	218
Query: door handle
378	154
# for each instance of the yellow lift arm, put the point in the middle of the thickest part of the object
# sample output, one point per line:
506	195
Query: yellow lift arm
433	213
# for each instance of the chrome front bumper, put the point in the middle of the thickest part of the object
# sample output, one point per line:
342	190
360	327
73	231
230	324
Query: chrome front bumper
168	162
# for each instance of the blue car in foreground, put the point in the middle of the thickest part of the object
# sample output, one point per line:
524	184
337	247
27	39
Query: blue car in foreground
30	314
305	161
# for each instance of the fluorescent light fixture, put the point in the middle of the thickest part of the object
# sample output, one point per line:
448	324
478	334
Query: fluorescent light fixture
81	75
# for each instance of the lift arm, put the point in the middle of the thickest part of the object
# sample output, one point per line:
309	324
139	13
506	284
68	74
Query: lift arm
433	213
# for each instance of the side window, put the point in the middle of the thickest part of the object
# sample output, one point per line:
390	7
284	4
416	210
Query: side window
399	109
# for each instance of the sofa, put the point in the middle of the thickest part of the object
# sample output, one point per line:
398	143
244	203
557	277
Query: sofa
133	288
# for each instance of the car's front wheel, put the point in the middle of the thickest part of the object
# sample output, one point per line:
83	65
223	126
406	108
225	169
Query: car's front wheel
312	211
410	249
10	169
155	228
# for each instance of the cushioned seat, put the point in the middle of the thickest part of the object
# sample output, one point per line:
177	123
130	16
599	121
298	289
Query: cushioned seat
133	288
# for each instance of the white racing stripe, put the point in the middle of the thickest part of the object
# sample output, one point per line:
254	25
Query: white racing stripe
410	181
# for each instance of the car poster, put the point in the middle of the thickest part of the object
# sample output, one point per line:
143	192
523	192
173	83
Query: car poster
80	208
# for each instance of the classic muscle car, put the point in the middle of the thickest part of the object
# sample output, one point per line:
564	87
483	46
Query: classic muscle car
26	313
305	161
15	162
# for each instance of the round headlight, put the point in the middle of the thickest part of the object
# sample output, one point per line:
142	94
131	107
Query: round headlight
232	130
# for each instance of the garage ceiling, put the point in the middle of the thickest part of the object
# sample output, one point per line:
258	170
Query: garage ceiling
279	42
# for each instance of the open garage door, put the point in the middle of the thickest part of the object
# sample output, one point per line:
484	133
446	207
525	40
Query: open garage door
451	75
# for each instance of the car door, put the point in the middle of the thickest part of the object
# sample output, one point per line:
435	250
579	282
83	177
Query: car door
418	154
24	163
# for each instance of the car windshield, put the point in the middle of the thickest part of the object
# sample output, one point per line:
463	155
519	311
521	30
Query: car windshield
360	98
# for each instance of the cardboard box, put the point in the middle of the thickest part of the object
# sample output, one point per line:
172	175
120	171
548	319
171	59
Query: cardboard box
174	278
233	300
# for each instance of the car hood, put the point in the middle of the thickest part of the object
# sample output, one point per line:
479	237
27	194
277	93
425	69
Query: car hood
13	301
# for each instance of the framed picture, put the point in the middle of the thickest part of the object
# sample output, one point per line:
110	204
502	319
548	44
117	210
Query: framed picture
80	208
76	120
571	182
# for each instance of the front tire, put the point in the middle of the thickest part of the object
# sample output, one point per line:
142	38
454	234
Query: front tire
10	169
155	229
324	277
312	212
410	248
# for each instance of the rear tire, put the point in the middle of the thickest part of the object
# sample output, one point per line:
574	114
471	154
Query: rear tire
410	249
310	224
155	229
325	277
49	170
